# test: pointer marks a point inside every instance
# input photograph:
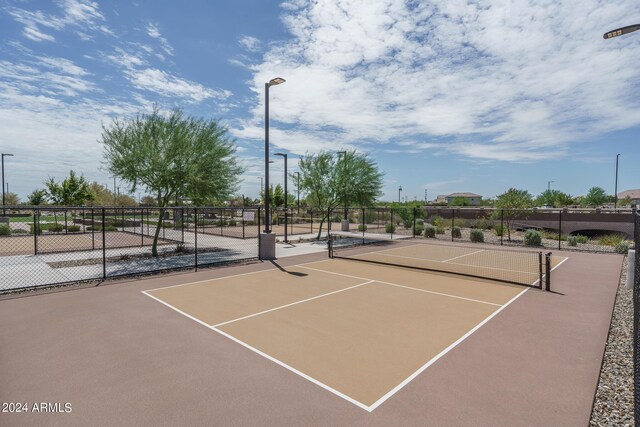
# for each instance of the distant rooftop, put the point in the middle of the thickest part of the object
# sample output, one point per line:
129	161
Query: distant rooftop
633	194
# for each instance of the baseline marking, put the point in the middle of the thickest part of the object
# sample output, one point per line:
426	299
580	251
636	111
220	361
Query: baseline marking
475	252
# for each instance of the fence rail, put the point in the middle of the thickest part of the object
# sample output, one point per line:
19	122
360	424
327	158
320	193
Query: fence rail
43	246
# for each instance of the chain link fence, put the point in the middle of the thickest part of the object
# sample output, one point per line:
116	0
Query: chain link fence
54	245
636	320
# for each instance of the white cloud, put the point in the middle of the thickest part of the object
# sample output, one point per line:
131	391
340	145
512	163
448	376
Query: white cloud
251	44
154	32
522	81
166	84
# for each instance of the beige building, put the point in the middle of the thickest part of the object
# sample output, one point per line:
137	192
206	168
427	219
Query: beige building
474	199
634	195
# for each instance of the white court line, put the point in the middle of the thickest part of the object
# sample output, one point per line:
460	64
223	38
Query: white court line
439	355
265	355
293	303
475	252
395	284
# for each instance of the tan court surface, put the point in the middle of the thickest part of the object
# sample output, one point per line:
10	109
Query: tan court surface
355	333
120	357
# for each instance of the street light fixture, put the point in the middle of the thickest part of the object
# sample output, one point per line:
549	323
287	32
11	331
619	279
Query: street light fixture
621	31
615	200
286	196
399	190
272	82
3	156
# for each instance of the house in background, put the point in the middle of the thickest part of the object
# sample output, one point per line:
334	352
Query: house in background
450	199
634	195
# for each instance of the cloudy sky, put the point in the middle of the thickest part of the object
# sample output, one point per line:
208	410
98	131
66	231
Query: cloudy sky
447	96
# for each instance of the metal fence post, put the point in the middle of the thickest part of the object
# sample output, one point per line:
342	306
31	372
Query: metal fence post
259	234
393	226
66	225
547	283
501	225
453	221
413	232
560	230
36	216
242	223
195	236
182	222
104	247
93	230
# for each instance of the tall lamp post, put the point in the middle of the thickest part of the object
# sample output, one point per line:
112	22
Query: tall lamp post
267	240
399	191
261	185
286	196
549	186
615	200
425	197
298	190
3	156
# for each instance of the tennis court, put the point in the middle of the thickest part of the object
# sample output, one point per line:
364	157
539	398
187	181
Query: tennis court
359	330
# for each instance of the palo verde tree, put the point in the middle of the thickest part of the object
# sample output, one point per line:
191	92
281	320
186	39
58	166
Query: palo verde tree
596	197
172	155
514	202
330	183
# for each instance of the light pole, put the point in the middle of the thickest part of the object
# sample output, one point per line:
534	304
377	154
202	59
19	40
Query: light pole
286	196
298	190
621	31
425	197
615	200
261	185
272	82
3	156
115	197
549	186
399	191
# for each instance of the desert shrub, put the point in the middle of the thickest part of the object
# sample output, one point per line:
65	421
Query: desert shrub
477	235
389	228
418	230
111	228
622	247
429	230
459	222
420	221
532	238
440	230
581	239
612	239
73	228
572	240
437	220
5	230
499	230
456	233
231	223
181	248
19	231
362	227
481	223
55	227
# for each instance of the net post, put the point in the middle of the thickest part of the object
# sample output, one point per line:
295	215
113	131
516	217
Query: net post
547	278
330	245
540	270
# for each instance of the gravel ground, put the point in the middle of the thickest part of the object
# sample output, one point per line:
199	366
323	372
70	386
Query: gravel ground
613	404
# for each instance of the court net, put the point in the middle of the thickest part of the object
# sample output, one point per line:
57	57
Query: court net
519	267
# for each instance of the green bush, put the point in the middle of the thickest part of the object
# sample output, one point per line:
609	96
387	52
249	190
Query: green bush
477	235
420	221
456	233
55	227
499	230
19	231
437	220
458	222
73	228
622	247
362	227
231	223
581	239
532	238
572	240
481	224
612	239
429	230
418	230
5	230
111	228
389	228
439	230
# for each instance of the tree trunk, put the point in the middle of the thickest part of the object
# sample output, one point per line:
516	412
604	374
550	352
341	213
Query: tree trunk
154	246
324	217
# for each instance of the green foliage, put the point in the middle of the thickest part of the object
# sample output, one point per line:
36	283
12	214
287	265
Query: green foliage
418	230
37	197
389	228
627	201
437	221
420	221
532	238
110	228
439	230
5	230
514	199
612	239
330	181
459	222
456	233
595	197
429	230
73	228
172	155
498	230
19	231
460	201
572	241
581	239
554	198
622	247
362	227
476	235
72	191
481	224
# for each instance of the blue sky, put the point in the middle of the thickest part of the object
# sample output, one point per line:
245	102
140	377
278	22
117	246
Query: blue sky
448	96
